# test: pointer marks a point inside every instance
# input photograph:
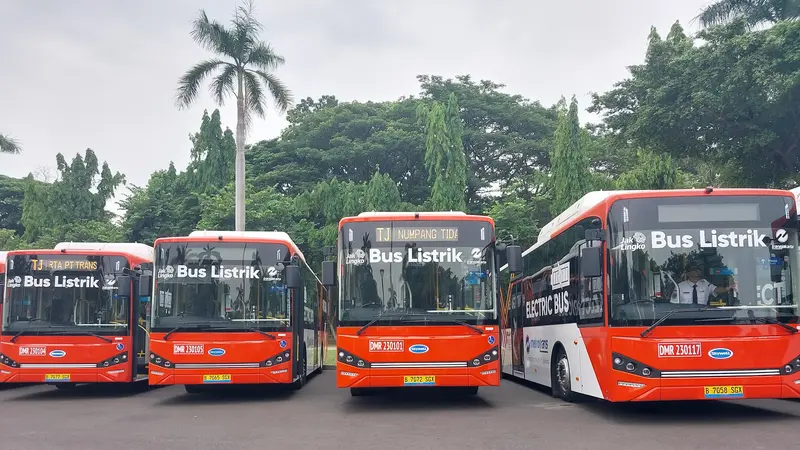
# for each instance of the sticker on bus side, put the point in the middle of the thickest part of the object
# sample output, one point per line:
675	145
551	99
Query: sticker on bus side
680	350
386	346
187	349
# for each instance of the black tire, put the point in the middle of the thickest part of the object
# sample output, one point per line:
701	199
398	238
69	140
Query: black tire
193	388
469	390
358	392
303	369
561	377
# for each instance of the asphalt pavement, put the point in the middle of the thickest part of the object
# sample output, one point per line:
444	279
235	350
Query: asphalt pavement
513	416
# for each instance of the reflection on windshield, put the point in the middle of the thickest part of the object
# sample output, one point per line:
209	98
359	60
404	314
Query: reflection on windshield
63	301
418	279
227	284
744	275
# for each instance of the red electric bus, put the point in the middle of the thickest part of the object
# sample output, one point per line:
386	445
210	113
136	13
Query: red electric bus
71	314
417	302
660	295
234	307
3	256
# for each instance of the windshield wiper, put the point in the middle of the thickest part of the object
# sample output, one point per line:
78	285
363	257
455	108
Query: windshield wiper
20	334
251	329
186	327
668	315
775	321
446	319
87	333
375	320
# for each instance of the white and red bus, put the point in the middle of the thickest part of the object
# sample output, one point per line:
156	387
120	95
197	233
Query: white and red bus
660	295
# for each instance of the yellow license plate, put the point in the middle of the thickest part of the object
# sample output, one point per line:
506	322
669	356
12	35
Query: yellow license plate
723	391
419	380
216	378
56	377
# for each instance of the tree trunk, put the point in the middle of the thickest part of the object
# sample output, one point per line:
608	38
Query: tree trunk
239	177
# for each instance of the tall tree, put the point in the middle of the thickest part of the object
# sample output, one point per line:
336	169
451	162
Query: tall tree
213	154
245	75
752	12
570	164
444	156
8	144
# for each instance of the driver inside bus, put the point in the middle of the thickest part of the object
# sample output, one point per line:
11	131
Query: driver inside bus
695	289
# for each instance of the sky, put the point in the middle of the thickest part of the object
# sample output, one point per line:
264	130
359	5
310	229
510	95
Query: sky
102	75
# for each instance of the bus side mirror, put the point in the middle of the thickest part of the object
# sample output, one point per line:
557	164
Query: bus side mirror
591	262
293	276
123	286
328	273
146	284
514	259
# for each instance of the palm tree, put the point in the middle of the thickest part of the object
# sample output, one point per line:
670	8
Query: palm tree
244	65
754	12
9	144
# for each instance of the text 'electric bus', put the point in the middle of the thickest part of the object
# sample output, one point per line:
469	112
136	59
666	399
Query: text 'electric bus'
660	295
234	308
73	315
416	301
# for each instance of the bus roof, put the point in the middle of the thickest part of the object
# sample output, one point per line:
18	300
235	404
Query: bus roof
592	199
429	215
138	250
266	236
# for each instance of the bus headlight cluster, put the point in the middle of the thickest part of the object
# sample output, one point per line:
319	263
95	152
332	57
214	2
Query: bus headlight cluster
283	357
624	364
157	360
350	359
792	366
5	360
491	355
114	360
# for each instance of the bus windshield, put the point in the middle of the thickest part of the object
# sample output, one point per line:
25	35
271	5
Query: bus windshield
718	260
414	270
221	285
64	294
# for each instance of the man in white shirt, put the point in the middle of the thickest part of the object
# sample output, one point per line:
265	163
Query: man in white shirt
695	289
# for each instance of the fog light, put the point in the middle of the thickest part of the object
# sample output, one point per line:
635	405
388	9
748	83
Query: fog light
630	366
646	372
618	360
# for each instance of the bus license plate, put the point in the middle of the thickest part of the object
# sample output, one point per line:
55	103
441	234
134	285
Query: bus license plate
419	380
723	391
216	378
57	377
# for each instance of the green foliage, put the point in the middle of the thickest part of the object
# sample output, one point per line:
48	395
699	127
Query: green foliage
9	144
444	156
730	103
570	169
212	153
751	12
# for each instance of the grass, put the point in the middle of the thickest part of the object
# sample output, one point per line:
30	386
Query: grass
330	355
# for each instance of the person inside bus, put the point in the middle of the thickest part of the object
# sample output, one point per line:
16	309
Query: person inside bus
695	289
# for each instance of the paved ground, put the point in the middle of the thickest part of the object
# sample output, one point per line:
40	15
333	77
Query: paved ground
320	416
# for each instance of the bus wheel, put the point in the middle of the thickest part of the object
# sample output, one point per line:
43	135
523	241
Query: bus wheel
561	377
470	390
192	388
358	392
303	369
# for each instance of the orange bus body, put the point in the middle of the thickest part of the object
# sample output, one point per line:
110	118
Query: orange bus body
699	357
271	355
385	355
3	256
74	356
